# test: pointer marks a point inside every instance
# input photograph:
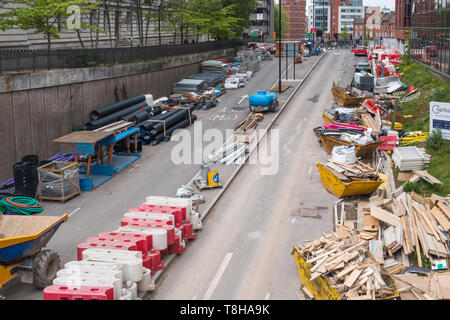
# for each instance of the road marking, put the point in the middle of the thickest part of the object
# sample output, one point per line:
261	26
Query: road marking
74	211
310	170
218	275
267	296
243	98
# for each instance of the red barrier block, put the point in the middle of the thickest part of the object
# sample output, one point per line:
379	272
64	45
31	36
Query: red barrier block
104	245
176	248
176	211
155	225
189	230
147	238
156	263
141	245
148	220
58	292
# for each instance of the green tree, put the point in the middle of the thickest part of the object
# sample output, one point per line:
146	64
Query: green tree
284	21
345	34
213	18
44	16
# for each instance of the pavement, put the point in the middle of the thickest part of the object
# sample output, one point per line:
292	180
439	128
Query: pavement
243	252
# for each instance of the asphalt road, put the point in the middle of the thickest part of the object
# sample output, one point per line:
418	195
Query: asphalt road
244	250
255	223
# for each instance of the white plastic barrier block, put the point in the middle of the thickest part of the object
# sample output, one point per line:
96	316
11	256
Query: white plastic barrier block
192	216
159	236
171	202
79	280
131	259
155	216
147	283
132	287
126	295
91	272
180	237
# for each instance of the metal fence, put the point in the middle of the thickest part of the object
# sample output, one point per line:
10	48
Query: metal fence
31	60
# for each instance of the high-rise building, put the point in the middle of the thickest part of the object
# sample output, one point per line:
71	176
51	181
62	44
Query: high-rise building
261	22
296	10
335	17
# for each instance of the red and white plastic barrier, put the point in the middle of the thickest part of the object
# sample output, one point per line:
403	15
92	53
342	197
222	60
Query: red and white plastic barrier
63	292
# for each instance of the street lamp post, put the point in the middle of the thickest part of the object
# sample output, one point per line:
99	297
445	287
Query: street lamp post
279	46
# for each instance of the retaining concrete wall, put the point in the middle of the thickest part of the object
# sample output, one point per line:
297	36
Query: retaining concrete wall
36	108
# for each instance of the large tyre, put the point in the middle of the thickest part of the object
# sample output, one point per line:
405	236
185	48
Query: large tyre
46	265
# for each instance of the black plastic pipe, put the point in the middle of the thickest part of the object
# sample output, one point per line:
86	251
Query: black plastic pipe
179	125
95	124
141	116
102	112
177	117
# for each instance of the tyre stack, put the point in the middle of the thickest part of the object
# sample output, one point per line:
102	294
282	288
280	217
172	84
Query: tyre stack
26	176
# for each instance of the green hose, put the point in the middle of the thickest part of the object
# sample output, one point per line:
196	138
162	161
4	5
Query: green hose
21	205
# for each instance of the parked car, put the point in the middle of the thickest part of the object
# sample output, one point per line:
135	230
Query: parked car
363	66
361	51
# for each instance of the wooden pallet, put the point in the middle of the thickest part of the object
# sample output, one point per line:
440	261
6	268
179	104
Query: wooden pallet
60	199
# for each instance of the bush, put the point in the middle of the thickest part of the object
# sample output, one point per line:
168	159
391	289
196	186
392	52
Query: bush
435	141
410	187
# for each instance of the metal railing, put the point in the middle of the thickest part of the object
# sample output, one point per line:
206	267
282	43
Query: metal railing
32	60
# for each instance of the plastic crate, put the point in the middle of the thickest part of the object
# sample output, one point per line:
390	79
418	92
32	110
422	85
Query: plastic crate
389	143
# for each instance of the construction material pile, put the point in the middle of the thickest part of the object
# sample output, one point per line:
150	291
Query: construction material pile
211	79
249	123
213	66
120	264
358	135
352	172
410	158
189	85
347	265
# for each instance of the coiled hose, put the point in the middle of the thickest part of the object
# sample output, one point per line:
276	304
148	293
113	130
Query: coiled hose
22	205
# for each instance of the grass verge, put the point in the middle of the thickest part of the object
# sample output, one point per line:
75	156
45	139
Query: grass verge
431	88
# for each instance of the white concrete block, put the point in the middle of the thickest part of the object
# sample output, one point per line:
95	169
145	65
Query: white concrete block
131	259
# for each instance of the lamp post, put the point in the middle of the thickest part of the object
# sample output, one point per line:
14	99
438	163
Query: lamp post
131	9
279	46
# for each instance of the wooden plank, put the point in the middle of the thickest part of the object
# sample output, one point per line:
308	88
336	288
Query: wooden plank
308	293
39	123
419	198
404	177
443	220
8	138
416	238
385	216
444	209
376	248
428	177
22	124
347	270
352	278
407	234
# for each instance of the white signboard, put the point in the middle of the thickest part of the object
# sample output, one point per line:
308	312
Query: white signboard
440	118
259	16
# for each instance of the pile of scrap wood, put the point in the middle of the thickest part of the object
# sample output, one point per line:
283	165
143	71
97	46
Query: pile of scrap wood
352	172
249	123
348	266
